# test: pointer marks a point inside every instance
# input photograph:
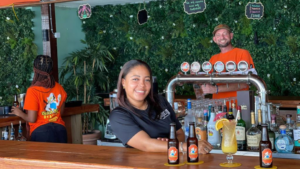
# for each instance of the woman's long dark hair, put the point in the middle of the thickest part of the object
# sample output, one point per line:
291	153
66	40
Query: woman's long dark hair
152	98
42	67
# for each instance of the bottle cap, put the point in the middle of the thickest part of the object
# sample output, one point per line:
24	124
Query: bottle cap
273	116
239	108
288	115
282	127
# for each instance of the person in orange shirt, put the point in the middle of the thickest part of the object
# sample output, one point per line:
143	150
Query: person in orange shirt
44	102
222	37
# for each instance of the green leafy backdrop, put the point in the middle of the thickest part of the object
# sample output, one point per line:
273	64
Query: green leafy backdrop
171	36
17	52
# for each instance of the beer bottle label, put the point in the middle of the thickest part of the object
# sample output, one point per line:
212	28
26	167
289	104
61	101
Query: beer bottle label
266	156
173	154
297	137
193	152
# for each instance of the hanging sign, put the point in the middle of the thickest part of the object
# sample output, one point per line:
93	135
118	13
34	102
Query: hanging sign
84	11
194	6
254	10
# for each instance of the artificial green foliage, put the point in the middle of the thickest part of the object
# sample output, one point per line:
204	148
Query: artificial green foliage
17	52
171	37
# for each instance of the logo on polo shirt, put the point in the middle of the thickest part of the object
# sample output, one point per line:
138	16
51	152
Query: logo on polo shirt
164	114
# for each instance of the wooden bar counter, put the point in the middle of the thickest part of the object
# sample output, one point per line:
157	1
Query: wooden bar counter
71	117
25	155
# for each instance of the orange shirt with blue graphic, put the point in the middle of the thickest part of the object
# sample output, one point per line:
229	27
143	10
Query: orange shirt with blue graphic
47	102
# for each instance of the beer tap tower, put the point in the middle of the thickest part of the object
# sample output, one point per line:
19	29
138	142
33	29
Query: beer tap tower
221	78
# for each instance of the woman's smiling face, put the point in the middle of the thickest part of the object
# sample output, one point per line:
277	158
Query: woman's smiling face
137	84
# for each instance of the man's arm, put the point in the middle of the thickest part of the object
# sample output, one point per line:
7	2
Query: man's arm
210	89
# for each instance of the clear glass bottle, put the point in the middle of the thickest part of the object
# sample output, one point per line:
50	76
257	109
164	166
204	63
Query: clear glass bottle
5	133
297	132
188	118
12	133
213	136
274	126
234	110
284	143
289	128
20	136
253	136
271	136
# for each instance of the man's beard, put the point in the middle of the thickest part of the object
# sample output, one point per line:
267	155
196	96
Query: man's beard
224	45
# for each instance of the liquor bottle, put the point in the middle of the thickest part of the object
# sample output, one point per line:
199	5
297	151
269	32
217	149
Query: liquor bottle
253	136
265	152
229	115
259	119
188	118
201	133
289	128
240	131
213	136
12	133
274	126
5	133
16	102
225	107
205	118
192	145
284	143
272	137
173	146
234	110
20	136
297	132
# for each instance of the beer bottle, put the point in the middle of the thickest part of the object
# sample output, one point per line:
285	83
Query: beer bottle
173	146
192	145
265	149
16	102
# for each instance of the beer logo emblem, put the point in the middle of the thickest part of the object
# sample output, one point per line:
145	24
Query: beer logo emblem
185	67
195	67
266	156
193	151
206	66
219	66
173	154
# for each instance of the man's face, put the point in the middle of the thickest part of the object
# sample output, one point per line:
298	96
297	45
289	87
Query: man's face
223	38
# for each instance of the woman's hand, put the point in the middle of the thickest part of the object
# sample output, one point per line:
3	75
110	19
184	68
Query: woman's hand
16	111
204	147
162	139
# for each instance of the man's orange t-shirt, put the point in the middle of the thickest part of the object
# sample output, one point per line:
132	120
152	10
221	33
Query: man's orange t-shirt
236	55
47	102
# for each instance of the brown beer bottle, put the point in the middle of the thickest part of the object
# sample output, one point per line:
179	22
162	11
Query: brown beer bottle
192	145
173	146
265	149
16	102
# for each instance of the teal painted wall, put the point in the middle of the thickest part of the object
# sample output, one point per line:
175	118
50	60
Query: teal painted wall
69	26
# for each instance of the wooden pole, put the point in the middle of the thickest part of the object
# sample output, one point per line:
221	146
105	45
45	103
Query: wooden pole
49	41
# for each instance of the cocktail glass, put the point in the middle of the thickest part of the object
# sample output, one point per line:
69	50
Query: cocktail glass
229	143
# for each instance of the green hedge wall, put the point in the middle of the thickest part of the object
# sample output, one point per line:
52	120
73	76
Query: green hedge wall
17	52
171	36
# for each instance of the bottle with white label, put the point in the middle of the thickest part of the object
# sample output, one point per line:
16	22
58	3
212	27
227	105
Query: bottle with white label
188	118
240	131
284	143
253	136
213	136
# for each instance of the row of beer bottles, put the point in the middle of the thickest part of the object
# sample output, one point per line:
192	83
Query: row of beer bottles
173	145
9	133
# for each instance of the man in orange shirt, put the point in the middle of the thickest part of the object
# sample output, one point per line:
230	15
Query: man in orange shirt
222	37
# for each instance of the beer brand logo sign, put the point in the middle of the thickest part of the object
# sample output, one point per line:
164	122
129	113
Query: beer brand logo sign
193	151
266	156
185	67
173	154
